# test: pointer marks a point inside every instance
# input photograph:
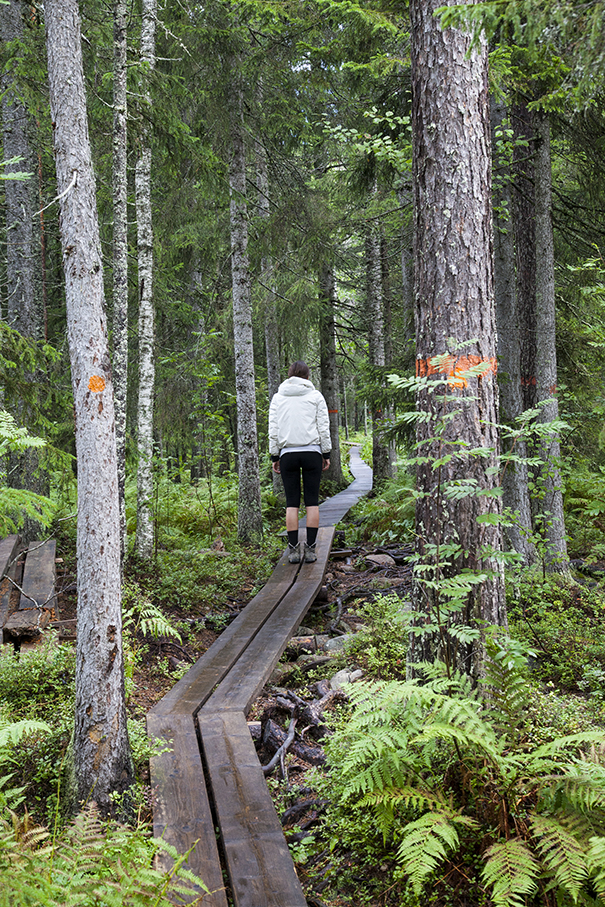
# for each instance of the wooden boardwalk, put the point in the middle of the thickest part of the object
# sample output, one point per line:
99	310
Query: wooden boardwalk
209	785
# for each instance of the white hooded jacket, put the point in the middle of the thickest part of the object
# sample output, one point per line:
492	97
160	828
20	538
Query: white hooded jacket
298	417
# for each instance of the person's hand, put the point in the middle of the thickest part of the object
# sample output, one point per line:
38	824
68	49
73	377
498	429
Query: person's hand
326	464
275	466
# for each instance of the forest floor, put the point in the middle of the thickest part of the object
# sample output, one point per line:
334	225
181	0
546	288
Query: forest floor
306	687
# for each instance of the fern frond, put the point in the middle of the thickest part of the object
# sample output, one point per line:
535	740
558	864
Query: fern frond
13	732
562	853
595	859
510	871
426	842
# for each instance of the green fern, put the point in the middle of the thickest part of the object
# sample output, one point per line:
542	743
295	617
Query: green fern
426	843
563	855
511	871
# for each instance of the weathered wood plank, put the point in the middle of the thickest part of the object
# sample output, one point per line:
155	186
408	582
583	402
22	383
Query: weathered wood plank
181	810
39	575
193	689
8	550
13	571
261	871
254	666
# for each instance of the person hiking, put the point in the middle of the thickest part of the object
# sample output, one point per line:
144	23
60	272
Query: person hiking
300	442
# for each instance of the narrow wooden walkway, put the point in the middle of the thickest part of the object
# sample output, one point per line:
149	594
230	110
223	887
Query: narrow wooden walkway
210	780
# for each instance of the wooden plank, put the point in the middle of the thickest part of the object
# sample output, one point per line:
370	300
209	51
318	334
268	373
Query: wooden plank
39	575
261	871
181	809
188	695
255	665
13	572
8	550
26	624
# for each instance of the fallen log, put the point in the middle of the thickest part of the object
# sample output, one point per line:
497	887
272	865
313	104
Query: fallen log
274	737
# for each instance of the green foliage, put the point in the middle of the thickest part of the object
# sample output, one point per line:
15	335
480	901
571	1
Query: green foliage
562	622
452	774
16	503
38	679
90	863
389	516
382	645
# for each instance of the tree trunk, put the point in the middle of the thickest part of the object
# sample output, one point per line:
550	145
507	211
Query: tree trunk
120	251
25	311
380	450
23	252
249	505
546	353
271	327
454	316
102	758
328	368
145	528
515	478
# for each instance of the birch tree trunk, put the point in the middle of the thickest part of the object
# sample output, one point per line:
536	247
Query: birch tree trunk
101	752
249	505
546	351
328	368
515	479
120	251
145	530
380	450
454	316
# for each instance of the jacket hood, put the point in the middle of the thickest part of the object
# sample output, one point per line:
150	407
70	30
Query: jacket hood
296	387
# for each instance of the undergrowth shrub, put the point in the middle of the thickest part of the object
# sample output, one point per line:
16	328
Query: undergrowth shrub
453	779
564	623
388	517
37	680
90	863
381	646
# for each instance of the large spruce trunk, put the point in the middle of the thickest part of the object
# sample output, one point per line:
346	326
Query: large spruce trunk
101	751
454	315
546	352
249	504
515	477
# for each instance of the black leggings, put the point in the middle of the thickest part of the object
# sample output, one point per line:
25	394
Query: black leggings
290	465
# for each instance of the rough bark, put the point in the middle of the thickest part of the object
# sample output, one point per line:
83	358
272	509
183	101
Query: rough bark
328	367
23	252
120	251
24	297
375	316
546	353
515	478
454	305
249	504
101	751
269	307
145	530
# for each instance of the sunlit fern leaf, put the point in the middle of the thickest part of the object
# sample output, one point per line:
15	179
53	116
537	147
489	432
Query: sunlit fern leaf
511	871
426	843
13	732
562	853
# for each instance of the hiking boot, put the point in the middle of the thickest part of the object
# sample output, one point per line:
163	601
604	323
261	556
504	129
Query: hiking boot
295	553
310	555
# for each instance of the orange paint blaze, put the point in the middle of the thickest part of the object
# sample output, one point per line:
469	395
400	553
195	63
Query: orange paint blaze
96	384
455	367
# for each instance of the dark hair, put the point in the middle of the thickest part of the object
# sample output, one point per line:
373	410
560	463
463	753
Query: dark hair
298	369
